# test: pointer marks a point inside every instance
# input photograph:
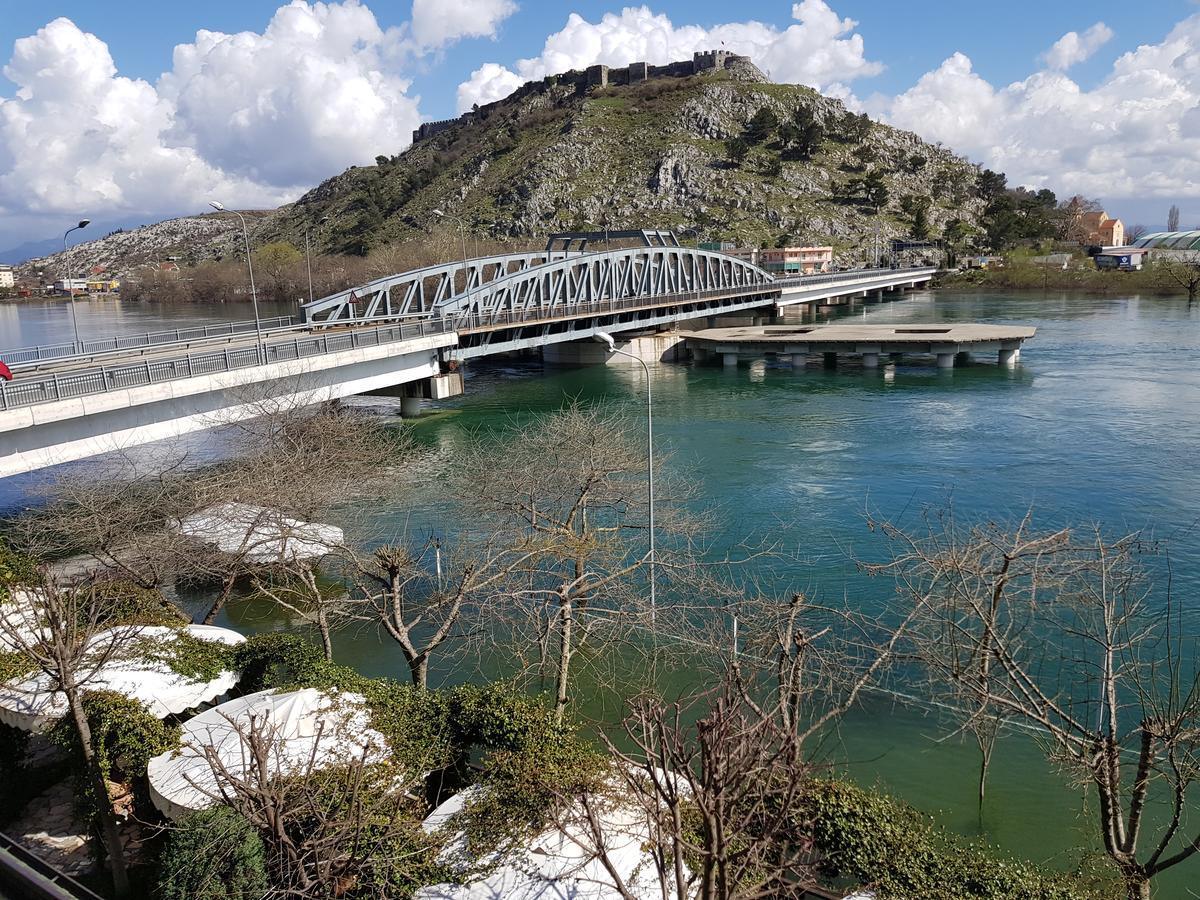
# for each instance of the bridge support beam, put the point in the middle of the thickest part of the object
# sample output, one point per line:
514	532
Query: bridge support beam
1009	357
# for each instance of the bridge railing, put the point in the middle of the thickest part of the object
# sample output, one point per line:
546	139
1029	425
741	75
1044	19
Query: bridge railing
46	352
25	392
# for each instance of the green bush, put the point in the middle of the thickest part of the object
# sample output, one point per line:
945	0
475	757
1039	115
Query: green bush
214	854
125	735
16	569
126	602
898	853
278	660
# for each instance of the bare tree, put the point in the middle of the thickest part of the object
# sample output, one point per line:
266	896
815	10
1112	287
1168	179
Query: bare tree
1173	218
568	494
329	826
422	596
296	585
1134	232
1179	271
64	632
719	776
1053	631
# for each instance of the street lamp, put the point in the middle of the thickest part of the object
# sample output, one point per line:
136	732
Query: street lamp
308	257
606	338
253	294
69	281
462	232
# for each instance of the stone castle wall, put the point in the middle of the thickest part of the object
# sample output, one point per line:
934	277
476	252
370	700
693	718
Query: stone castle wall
598	76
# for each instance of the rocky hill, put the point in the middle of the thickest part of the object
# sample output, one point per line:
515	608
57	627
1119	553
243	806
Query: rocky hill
723	154
188	240
662	154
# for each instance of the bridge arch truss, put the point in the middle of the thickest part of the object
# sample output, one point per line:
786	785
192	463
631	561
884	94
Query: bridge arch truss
501	289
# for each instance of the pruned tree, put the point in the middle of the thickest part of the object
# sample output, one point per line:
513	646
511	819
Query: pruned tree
1055	632
66	633
286	468
425	599
568	493
331	827
1179	271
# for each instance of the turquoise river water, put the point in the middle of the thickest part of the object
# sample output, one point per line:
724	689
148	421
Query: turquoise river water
1099	422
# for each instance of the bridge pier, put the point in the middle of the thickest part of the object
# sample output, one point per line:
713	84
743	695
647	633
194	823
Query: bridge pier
1009	357
729	360
870	360
945	360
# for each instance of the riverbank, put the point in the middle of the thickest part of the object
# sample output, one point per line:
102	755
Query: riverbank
1025	277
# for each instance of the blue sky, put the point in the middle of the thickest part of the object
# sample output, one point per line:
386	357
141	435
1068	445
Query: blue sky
300	93
909	38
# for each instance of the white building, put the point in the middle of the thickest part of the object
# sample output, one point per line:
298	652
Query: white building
6	277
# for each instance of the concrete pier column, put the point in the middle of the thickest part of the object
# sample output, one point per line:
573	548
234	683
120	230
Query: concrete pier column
870	360
1009	357
410	407
730	360
798	360
830	360
945	360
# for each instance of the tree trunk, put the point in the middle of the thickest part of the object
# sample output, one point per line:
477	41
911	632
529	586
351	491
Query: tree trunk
326	638
419	667
1137	886
220	602
567	622
109	832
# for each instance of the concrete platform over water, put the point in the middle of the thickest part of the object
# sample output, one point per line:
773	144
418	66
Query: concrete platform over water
945	342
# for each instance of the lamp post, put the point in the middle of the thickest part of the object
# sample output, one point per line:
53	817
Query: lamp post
308	257
462	232
253	293
69	283
606	338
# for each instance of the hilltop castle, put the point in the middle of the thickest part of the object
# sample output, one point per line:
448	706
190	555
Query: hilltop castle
598	76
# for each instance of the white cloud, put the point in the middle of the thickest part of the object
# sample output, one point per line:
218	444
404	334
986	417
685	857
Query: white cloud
1135	134
315	92
79	138
1073	47
820	50
253	119
436	23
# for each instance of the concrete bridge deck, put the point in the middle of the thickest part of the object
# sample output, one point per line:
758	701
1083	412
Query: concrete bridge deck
947	342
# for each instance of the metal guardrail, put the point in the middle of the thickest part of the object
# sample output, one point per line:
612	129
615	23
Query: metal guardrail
46	352
46	389
26	392
23	876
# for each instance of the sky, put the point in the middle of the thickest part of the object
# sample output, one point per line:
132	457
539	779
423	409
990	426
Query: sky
131	111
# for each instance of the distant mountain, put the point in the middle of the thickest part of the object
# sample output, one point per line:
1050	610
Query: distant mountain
28	250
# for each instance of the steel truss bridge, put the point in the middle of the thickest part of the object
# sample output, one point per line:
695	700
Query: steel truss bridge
393	330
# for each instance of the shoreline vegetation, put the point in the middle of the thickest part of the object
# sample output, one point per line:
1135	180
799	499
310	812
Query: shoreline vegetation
1023	276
